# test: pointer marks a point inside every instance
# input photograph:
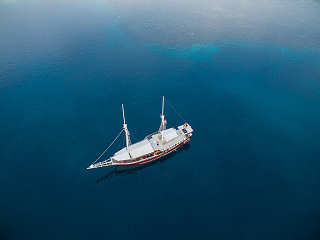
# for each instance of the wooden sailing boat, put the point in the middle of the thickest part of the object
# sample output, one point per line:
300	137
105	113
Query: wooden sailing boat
152	147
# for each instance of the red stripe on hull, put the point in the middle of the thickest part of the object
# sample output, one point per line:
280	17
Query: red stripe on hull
156	157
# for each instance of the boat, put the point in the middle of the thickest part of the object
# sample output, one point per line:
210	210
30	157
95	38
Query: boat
151	148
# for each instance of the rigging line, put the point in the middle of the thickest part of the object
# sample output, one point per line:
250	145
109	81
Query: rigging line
108	147
173	108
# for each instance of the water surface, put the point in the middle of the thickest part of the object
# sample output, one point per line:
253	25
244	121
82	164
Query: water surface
245	75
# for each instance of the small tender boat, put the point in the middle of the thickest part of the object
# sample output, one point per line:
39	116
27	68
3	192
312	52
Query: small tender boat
152	147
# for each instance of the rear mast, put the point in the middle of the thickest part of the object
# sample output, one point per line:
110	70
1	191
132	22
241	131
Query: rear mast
125	128
163	121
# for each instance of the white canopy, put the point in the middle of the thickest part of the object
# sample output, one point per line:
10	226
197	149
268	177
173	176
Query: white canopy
169	134
140	148
136	150
122	155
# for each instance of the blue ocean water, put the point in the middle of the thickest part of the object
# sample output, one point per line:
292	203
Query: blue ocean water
249	86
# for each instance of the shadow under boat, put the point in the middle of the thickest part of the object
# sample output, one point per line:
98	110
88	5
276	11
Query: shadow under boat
132	169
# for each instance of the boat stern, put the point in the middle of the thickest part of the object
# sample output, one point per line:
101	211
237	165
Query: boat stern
186	129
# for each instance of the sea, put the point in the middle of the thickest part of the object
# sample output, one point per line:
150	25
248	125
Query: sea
244	74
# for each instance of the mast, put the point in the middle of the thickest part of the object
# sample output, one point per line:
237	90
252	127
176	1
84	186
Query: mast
125	128
163	121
